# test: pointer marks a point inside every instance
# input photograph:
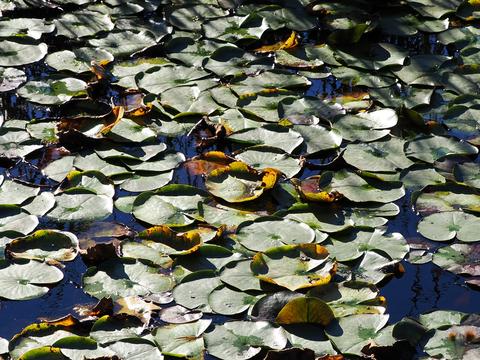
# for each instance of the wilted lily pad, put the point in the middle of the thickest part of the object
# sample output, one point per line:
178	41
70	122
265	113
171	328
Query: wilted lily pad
238	182
294	266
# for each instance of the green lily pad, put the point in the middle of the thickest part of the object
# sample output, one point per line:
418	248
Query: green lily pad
285	139
53	92
78	60
14	220
11	78
80	347
169	205
14	53
81	207
182	340
447	225
354	244
226	301
468	173
430	149
368	126
263	234
240	340
194	290
439	201
384	155
352	333
157	81
124	43
135	350
454	343
459	259
111	328
45	244
27	281
115	278
265	157
238	275
14	193
25	27
82	23
350	298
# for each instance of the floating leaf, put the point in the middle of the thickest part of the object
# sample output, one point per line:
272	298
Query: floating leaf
164	240
115	278
225	301
352	245
445	226
384	155
430	149
15	53
284	139
303	310
53	92
352	333
263	234
193	294
182	340
367	126
350	298
27	281
11	78
459	259
294	266
239	183
44	245
454	343
239	340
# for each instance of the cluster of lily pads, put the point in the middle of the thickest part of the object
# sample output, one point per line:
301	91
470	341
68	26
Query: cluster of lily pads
259	200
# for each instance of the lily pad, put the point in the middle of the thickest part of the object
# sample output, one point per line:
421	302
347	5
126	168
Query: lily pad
445	226
44	245
239	183
239	340
182	340
53	92
263	234
15	53
294	266
459	259
115	278
430	149
384	155
27	281
367	126
352	333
